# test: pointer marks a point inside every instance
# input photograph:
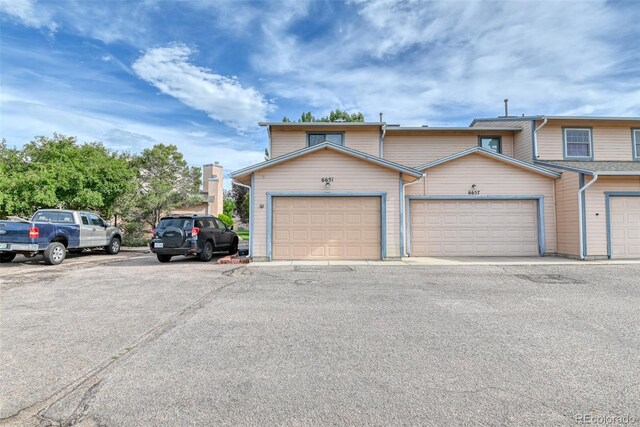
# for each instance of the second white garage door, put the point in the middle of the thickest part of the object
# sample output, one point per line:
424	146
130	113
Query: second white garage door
625	227
326	228
474	228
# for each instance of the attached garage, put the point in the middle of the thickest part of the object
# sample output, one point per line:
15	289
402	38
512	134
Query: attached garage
320	228
474	227
624	226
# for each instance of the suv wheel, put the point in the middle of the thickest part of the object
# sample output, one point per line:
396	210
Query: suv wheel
207	252
164	258
234	247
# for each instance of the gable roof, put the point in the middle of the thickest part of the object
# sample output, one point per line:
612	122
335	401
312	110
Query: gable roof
604	168
493	155
330	146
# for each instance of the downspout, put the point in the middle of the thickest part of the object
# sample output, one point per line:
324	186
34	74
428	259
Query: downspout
250	213
535	138
404	211
269	133
581	214
383	131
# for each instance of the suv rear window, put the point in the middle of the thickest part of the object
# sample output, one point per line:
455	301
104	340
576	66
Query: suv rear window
175	222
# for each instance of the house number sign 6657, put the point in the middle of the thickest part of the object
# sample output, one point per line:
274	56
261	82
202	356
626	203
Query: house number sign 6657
326	179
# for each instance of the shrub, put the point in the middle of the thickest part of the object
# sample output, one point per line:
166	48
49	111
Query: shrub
135	233
226	219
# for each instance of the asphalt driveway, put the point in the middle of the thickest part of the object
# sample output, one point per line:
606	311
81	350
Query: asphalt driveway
134	342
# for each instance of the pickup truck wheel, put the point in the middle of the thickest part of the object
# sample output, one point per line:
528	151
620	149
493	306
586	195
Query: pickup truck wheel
113	247
7	257
164	258
55	253
234	247
207	252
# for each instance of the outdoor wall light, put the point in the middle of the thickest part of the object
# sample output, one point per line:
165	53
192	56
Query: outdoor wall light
327	184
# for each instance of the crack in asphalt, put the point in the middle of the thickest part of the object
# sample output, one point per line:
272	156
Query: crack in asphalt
91	381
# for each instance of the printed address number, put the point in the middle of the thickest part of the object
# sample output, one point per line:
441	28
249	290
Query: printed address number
327	179
474	192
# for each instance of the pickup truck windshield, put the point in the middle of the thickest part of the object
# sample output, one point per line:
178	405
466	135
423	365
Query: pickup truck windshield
53	216
175	222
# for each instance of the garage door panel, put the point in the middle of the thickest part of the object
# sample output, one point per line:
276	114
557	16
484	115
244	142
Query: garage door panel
474	228
326	228
625	227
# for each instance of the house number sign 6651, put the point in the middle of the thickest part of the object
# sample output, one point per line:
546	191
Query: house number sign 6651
326	179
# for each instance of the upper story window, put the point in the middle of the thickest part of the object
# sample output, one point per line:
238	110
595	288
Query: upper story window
578	143
493	143
636	143
319	138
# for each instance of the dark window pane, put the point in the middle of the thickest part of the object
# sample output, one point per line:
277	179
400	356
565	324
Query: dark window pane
85	220
491	144
335	138
316	138
319	138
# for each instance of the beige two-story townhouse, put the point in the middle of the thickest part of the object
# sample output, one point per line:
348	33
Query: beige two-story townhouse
509	186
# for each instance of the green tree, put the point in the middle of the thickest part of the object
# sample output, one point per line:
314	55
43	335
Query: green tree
334	116
226	220
59	172
240	195
228	207
165	181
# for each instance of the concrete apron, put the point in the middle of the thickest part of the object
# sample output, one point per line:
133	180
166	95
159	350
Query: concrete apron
549	260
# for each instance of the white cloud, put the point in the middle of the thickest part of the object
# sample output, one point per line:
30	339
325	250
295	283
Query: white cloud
222	98
22	116
25	12
428	62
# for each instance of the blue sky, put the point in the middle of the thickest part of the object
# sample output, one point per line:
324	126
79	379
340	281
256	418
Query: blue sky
201	74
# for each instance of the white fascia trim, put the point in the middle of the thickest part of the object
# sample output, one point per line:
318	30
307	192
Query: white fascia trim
494	155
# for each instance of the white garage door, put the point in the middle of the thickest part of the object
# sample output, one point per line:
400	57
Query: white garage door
474	228
326	228
625	227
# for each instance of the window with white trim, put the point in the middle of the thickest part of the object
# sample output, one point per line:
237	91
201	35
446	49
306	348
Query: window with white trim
636	144
577	143
319	138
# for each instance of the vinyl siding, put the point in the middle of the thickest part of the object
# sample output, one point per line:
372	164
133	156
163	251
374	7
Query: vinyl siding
492	178
303	174
610	141
567	214
595	204
414	149
284	141
522	141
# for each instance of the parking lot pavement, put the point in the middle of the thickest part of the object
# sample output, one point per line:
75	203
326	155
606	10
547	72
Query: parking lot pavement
136	342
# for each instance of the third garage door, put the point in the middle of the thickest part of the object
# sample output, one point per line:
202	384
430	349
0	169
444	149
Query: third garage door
474	228
326	228
625	227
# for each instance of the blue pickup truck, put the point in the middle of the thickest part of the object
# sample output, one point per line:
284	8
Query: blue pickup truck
53	232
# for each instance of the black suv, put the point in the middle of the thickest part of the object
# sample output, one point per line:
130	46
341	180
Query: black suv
200	235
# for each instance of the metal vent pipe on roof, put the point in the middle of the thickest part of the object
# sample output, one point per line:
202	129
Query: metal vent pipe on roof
380	117
506	107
